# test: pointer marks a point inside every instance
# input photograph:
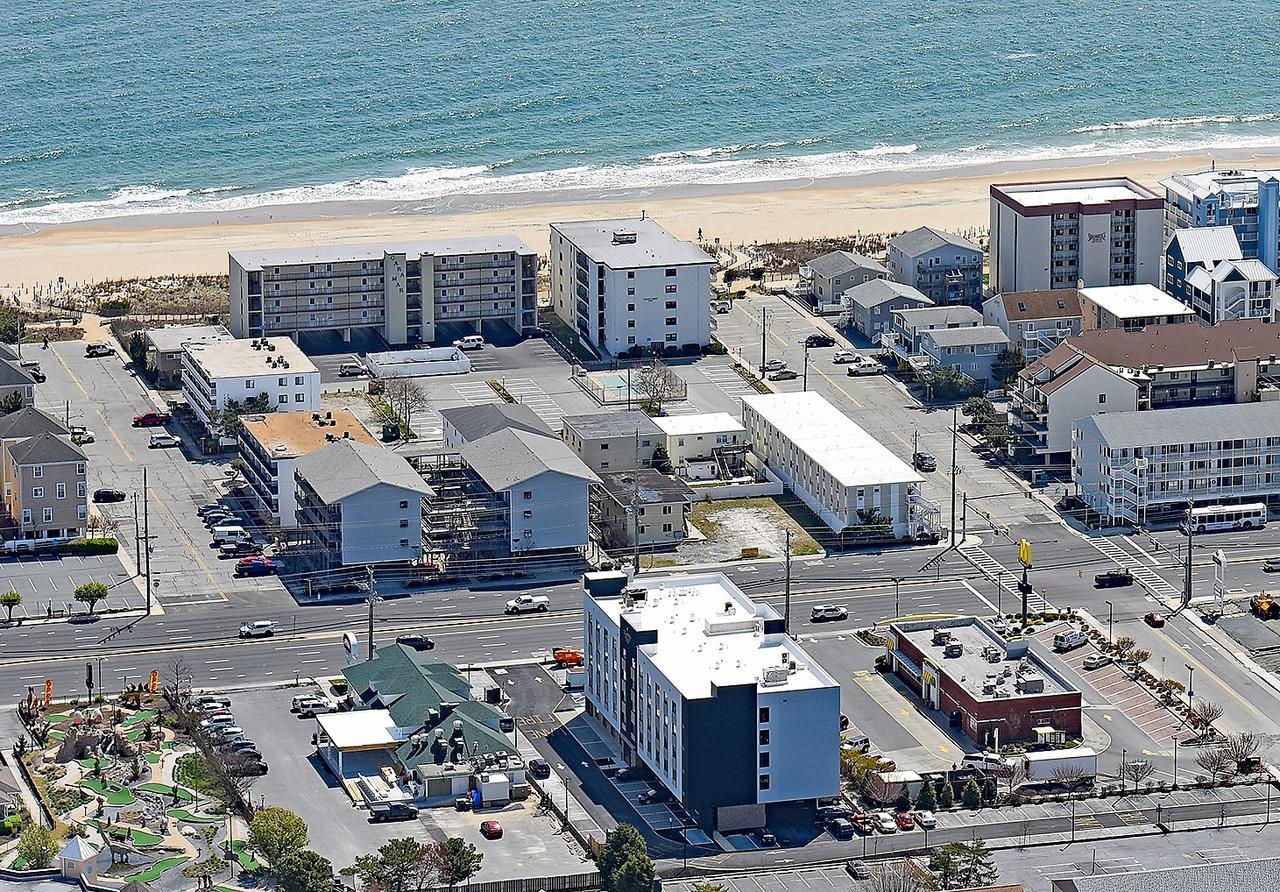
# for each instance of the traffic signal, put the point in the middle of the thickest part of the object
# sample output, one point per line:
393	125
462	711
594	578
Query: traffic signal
88	675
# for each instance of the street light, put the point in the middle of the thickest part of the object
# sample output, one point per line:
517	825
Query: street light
896	580
1110	616
1123	753
1191	693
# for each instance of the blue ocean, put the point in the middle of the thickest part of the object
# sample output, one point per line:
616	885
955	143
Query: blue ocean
122	107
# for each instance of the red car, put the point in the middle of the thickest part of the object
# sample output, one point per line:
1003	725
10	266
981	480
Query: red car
152	419
904	821
491	830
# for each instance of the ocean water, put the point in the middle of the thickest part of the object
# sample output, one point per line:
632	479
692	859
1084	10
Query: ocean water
120	107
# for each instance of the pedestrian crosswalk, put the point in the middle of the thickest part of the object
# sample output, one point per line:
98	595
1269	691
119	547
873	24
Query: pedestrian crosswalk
728	380
1007	579
1148	578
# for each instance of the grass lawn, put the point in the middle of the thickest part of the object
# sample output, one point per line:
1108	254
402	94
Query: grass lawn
244	856
115	794
184	795
703	517
138	717
193	772
192	818
152	873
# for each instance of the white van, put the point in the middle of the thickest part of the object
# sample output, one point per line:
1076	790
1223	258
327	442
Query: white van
1069	640
350	370
470	342
230	534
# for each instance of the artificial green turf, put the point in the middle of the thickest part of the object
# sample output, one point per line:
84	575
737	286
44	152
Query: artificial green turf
190	817
184	795
138	717
115	794
152	873
244	856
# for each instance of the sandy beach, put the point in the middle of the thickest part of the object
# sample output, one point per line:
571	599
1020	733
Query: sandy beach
139	246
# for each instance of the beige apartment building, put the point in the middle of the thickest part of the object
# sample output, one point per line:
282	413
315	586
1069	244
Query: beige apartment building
44	487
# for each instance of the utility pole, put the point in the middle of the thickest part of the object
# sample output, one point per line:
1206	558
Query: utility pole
1186	571
953	476
146	535
786	619
372	598
763	311
137	534
804	385
66	412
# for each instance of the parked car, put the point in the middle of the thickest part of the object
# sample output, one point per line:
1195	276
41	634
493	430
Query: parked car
765	839
842	356
826	813
1154	619
721	306
98	350
1271	566
417	642
904	820
818	339
32	368
392	811
863	824
858	870
629	772
212	508
250	768
885	823
1113	578
257	565
538	768
984	761
1096	661
226	732
828	612
259	628
82	435
470	342
219	518
236	549
783	375
152	419
867	367
841	828
491	830
163	441
924	461
315	707
218	721
242	745
350	370
774	364
926	819
102	496
653	794
211	701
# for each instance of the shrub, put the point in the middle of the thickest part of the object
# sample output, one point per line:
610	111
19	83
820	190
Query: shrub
115	306
105	545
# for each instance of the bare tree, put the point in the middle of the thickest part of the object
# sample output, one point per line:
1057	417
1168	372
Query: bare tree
1137	771
1202	715
1240	746
1215	762
1138	657
1014	774
656	384
896	876
176	683
1069	776
405	397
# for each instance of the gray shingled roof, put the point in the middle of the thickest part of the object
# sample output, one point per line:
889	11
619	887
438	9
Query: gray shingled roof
29	422
474	422
508	457
1208	244
969	335
1201	876
878	291
837	262
613	424
44	449
1188	424
13	375
6	353
940	316
926	238
345	467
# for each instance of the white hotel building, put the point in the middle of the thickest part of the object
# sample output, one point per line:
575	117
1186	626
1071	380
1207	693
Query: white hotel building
1057	234
630	284
688	676
216	372
835	467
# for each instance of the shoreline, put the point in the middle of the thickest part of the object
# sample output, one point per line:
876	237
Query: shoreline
741	213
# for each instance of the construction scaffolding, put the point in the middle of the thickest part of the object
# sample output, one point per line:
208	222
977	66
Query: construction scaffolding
462	520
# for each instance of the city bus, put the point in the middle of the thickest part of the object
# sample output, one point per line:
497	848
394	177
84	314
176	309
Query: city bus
1215	518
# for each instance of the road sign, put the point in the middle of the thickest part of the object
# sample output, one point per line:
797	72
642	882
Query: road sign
88	675
1219	577
153	684
1024	552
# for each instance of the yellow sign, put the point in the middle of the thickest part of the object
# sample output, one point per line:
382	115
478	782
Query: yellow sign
154	684
48	692
1024	552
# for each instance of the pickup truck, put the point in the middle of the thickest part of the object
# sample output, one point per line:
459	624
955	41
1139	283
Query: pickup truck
528	604
1113	578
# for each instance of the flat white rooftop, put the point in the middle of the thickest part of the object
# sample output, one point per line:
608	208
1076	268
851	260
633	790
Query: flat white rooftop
652	245
1204	183
1136	301
361	729
461	246
1074	192
700	642
832	439
248	358
702	423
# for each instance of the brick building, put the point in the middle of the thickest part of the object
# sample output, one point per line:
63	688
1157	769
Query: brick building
996	691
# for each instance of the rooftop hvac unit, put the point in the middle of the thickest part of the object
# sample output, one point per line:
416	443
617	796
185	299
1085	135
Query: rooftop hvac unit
953	649
624	236
775	675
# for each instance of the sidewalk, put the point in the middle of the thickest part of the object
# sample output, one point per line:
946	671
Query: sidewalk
555	793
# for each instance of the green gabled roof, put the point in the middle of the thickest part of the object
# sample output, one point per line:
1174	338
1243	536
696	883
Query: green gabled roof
476	738
409	684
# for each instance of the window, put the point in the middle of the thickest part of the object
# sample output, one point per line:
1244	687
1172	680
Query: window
666	528
404	503
764	737
764	781
631	308
282	399
764	715
631	292
631	323
671	305
671	337
61	491
299	397
631	340
1102	398
248	384
764	760
671	272
80	489
404	523
528	514
26	515
528	495
672	320
604	447
282	382
298	380
631	274
404	543
37	492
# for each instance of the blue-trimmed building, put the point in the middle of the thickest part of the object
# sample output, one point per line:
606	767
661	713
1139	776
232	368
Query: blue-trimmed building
1246	200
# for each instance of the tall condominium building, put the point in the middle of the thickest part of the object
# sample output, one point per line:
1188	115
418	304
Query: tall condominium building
401	291
272	371
1246	200
628	285
688	676
1055	235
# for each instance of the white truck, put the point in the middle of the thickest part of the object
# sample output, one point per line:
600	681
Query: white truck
1055	766
528	604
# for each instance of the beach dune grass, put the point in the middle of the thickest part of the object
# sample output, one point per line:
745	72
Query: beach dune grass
115	793
152	873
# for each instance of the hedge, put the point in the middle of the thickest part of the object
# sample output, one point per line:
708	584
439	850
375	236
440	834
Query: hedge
94	546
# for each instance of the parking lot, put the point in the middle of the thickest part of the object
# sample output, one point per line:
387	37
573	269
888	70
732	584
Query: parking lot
46	583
